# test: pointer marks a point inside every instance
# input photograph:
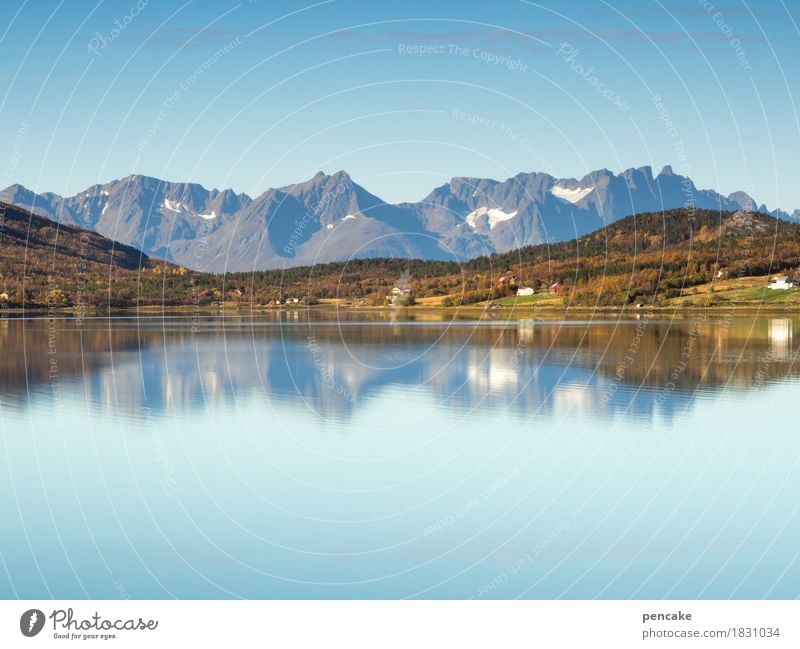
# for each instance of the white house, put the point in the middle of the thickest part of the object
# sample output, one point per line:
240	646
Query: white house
780	282
524	292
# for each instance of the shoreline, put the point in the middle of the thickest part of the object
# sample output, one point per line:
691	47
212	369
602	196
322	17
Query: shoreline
472	309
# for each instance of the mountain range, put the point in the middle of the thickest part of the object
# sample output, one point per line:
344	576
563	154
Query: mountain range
332	218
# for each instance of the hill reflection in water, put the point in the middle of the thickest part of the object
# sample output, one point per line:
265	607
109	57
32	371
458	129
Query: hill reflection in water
335	363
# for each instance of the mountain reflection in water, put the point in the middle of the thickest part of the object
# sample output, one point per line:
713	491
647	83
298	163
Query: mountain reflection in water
334	363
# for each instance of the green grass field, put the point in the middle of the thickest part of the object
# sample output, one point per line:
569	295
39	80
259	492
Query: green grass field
749	296
536	298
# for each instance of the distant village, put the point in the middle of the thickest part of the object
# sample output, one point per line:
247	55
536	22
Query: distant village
510	285
503	291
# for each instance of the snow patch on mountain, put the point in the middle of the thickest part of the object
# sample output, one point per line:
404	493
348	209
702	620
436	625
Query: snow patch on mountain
180	208
495	215
570	195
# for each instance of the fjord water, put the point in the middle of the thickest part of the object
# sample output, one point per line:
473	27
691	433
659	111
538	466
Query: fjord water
352	454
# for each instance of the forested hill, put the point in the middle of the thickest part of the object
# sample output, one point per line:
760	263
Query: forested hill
40	257
645	257
656	254
679	230
41	242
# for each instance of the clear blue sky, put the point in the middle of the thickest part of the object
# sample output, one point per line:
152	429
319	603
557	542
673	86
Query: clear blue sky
335	85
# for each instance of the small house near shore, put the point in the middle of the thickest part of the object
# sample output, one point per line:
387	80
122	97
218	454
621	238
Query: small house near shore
524	291
780	283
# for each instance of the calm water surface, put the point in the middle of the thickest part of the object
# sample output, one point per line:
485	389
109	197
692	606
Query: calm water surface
363	455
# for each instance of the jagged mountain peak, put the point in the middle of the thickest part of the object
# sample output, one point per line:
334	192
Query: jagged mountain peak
745	201
645	172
